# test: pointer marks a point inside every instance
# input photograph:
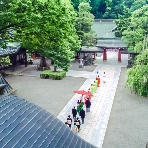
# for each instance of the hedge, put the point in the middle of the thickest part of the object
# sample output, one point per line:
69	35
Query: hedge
49	74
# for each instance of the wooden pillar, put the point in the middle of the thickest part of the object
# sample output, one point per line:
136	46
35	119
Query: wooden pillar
94	56
25	57
104	55
119	56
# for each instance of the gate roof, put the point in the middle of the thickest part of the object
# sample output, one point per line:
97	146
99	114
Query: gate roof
110	43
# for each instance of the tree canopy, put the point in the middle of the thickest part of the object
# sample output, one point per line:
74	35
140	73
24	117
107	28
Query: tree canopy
45	26
134	34
110	9
83	24
133	27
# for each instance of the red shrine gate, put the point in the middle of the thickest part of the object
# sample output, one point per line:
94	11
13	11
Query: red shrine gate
114	50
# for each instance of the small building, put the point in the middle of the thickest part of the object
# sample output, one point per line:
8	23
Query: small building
16	53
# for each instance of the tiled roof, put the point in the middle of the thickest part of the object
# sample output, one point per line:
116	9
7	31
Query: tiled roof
25	125
11	48
110	44
8	88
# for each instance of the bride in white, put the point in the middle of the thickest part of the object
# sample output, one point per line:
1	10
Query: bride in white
104	77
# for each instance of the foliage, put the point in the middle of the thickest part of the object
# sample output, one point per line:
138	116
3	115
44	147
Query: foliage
137	4
128	3
4	62
133	27
133	36
83	24
45	26
76	3
123	21
98	8
113	9
138	75
110	9
49	74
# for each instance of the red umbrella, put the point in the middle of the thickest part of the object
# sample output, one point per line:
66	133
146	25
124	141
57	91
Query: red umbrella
83	92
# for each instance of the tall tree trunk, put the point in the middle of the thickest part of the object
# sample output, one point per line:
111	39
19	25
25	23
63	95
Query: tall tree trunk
43	62
55	68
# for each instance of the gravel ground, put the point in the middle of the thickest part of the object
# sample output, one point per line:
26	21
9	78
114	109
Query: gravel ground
127	127
52	95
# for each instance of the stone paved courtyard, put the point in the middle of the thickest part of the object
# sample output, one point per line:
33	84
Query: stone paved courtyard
118	118
128	120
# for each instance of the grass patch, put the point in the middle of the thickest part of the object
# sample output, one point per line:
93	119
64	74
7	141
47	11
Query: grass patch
49	74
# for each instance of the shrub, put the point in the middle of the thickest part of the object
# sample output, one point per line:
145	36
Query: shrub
49	74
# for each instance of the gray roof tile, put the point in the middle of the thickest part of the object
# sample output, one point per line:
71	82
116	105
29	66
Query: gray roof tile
8	88
25	125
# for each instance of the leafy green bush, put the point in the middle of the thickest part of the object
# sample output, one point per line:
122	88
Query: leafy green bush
4	62
138	75
49	74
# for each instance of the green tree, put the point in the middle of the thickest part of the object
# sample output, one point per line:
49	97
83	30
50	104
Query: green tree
137	4
98	8
123	22
128	3
138	75
76	3
133	36
43	26
113	9
83	24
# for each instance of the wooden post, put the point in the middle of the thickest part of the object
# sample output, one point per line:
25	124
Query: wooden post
104	55
119	56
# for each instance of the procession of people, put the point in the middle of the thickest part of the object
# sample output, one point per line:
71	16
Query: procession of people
78	110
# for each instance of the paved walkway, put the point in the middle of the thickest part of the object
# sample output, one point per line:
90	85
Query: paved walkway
96	121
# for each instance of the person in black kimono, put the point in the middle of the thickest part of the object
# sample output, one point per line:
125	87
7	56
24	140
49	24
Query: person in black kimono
78	123
69	121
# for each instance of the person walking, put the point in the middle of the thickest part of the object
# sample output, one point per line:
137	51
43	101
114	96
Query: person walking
74	128
98	79
69	121
81	98
74	113
88	104
82	114
104	77
78	102
78	123
92	89
79	107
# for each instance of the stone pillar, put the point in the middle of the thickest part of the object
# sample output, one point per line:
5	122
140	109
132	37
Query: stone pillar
81	63
119	56
104	55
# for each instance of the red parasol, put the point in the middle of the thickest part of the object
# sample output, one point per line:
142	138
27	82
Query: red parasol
82	92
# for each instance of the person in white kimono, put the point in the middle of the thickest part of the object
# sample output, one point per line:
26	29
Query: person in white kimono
104	77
